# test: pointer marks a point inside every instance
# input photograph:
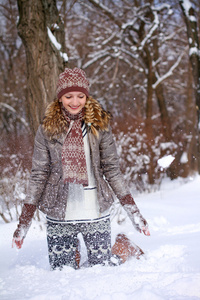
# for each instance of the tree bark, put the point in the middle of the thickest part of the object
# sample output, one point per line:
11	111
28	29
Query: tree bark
159	91
149	111
166	122
194	50
44	59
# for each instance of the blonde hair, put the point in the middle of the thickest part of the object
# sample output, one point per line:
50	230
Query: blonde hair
54	122
95	116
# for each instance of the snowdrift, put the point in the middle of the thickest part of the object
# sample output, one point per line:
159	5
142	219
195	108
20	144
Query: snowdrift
169	270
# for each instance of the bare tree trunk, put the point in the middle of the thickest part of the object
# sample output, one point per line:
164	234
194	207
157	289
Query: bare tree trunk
148	59
166	122
185	162
191	147
39	25
149	111
194	50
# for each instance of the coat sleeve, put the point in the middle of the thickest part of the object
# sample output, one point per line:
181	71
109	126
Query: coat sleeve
111	170
40	169
109	160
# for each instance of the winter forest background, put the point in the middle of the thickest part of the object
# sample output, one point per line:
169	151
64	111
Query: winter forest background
143	61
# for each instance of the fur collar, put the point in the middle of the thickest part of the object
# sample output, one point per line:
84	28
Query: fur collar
96	118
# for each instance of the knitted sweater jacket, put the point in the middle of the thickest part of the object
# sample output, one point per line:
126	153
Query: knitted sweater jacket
46	187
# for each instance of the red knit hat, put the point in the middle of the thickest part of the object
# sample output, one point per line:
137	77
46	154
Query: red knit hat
72	80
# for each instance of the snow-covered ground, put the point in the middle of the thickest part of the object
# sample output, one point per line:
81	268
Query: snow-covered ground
170	270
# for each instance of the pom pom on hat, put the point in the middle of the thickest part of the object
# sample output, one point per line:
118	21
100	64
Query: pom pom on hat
72	80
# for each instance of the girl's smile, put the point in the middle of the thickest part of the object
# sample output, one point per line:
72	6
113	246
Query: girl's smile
73	101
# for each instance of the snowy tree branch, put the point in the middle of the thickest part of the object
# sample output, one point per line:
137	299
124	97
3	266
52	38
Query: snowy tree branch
170	72
152	30
22	120
106	11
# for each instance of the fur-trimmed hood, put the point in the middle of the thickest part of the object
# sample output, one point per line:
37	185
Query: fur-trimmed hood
96	118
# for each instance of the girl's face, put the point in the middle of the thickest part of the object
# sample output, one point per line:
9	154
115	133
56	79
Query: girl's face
73	101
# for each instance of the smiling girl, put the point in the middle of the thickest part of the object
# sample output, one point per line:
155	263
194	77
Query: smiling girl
75	177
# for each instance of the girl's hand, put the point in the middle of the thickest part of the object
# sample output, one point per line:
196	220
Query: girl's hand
134	214
18	237
17	241
25	219
145	230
